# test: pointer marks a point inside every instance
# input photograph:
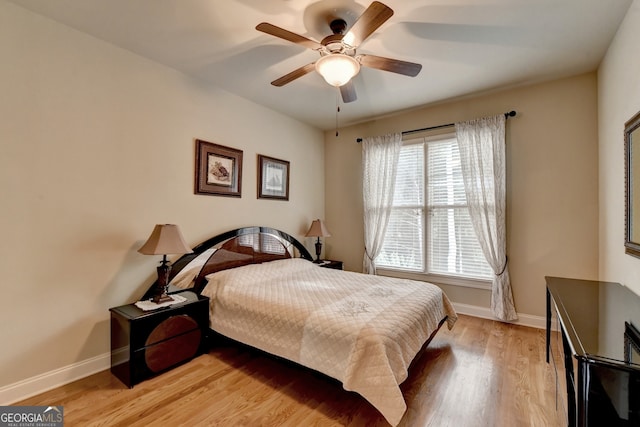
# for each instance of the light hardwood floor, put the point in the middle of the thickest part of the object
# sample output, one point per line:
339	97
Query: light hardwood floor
480	374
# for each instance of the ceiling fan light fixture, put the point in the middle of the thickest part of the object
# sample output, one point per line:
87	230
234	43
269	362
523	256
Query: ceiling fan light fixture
337	68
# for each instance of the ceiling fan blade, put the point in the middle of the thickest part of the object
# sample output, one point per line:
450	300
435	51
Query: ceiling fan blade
288	78
410	69
348	92
372	18
288	35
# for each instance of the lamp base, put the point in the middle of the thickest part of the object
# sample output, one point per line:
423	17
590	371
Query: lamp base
318	250
159	299
162	284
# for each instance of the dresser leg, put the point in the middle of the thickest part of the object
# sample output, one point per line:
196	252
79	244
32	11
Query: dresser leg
548	323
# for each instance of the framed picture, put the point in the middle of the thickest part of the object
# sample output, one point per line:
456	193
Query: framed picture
273	178
218	170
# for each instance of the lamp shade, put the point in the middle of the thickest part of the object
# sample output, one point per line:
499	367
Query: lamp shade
165	239
318	229
337	68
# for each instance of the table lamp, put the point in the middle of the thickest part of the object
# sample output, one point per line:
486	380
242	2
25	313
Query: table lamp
165	239
318	229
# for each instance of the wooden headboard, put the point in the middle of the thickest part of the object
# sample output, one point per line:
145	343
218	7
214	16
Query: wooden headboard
235	248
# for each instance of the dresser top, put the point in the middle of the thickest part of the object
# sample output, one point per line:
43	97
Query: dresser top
593	314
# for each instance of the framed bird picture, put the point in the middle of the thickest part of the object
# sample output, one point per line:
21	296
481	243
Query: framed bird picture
218	170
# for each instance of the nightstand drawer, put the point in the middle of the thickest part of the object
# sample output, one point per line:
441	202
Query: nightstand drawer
171	327
165	354
146	323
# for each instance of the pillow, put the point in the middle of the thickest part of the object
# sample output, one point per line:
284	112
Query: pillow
186	277
253	274
264	270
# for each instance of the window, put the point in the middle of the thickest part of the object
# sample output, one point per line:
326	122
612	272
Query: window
263	243
429	229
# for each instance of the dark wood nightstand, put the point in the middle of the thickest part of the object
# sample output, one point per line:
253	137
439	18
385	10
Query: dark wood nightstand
327	263
146	343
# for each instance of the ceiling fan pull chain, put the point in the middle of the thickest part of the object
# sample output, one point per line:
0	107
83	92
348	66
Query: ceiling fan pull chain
337	111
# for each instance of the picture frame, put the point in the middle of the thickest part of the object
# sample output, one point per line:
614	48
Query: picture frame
631	188
273	178
218	170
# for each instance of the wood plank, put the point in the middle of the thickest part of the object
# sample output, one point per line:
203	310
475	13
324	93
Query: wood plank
482	372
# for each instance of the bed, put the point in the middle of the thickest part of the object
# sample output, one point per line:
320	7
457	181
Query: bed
362	330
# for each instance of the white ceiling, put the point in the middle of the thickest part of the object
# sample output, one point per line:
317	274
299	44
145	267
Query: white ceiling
464	46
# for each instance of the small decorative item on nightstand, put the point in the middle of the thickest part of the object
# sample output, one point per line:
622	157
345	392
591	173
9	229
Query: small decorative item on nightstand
327	263
145	343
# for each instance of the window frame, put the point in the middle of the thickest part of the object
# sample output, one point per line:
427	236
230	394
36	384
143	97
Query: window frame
446	279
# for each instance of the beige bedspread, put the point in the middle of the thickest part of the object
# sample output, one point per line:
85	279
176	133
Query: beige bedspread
361	329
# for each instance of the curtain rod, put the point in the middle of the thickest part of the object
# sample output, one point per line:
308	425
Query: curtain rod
511	113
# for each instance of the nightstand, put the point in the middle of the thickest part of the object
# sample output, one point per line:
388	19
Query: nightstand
327	263
146	343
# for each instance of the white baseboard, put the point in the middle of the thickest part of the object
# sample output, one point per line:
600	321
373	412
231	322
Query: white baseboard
49	380
24	389
485	313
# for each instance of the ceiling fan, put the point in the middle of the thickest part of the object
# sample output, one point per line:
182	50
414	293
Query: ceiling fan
338	61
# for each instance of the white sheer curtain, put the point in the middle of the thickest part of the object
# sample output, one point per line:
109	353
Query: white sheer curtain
482	154
379	165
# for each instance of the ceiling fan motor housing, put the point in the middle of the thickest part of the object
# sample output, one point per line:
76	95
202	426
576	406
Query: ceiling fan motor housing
333	43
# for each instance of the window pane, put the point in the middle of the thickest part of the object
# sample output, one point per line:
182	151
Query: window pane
452	245
409	190
402	246
445	186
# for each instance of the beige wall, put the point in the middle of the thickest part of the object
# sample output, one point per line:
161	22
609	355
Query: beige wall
97	146
619	100
552	188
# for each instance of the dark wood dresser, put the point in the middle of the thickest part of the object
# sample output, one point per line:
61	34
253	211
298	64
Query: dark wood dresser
596	354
